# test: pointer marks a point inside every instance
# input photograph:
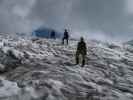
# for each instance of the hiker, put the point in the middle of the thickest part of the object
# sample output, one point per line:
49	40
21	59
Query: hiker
52	35
65	37
81	50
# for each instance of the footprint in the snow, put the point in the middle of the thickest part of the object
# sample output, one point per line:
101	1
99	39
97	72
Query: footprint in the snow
69	64
74	65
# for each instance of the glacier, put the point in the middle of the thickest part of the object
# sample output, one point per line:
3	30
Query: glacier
43	69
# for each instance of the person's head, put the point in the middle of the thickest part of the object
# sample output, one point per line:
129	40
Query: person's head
81	39
53	31
65	30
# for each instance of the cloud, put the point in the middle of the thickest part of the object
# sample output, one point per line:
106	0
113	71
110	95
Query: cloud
101	19
14	16
129	6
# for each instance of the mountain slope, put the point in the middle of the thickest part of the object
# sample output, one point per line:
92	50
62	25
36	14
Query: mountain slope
47	70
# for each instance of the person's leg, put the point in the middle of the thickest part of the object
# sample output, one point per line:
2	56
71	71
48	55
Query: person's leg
83	60
67	41
77	58
63	41
54	37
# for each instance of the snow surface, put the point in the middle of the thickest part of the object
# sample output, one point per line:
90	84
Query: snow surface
48	72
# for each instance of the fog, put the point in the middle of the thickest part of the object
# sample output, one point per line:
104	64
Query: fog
99	19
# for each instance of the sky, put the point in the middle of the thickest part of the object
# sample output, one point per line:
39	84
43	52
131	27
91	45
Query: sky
98	19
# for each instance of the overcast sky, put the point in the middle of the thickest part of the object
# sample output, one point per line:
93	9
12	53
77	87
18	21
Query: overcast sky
100	19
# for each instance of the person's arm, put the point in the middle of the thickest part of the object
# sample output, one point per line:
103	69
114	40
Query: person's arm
78	46
85	49
68	35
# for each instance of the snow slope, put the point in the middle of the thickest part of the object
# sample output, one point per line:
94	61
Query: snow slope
45	70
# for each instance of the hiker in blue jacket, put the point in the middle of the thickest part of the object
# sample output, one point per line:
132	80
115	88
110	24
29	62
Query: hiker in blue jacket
65	37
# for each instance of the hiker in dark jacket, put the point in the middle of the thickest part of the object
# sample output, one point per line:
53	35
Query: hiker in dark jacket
65	37
81	50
